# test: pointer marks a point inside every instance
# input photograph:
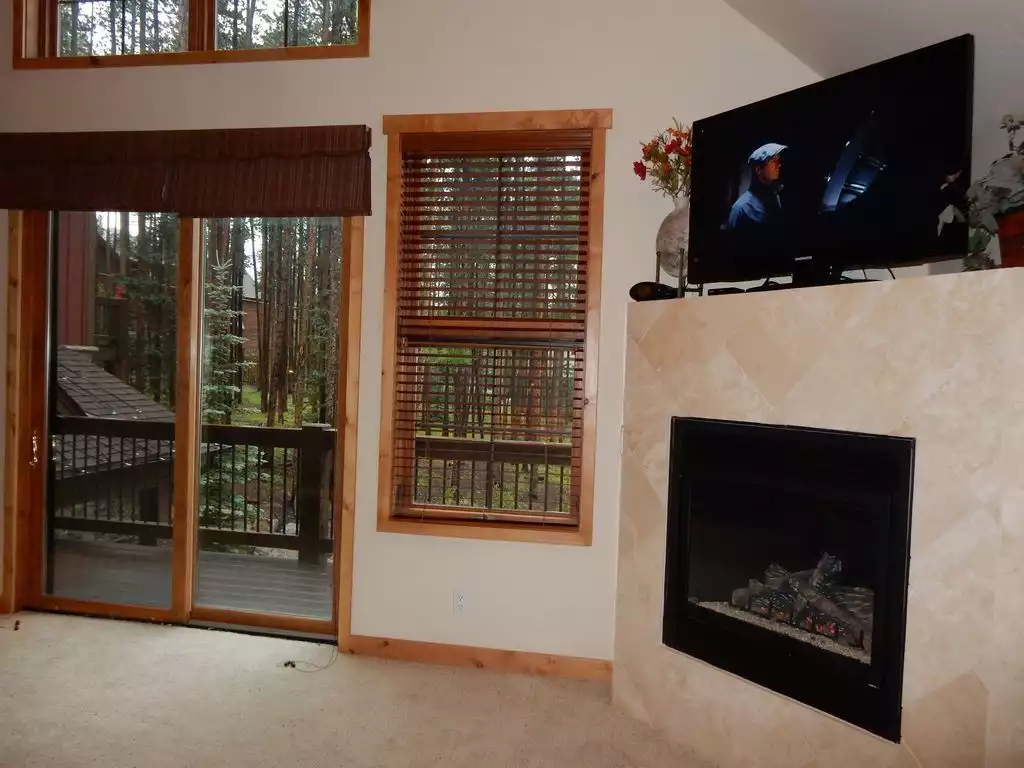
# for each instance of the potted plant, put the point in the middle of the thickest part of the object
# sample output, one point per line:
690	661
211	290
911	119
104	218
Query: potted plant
996	204
666	160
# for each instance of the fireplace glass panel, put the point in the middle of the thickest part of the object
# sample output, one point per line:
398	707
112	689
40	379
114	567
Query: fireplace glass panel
798	563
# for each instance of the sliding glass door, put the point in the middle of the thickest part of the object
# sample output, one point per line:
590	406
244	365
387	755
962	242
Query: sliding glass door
112	371
268	408
195	383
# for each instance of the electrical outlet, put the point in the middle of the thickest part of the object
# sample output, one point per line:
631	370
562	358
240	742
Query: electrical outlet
458	602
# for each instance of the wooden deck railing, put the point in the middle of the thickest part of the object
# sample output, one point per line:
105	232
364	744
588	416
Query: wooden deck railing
267	487
258	486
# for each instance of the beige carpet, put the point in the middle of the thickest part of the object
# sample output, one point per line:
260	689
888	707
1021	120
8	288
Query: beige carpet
89	692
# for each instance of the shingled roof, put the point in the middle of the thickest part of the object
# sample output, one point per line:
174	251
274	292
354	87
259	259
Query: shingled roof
85	389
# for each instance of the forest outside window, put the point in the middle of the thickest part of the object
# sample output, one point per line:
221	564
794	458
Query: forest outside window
494	243
247	24
91	33
124	27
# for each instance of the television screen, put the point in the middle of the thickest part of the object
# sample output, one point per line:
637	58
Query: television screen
849	172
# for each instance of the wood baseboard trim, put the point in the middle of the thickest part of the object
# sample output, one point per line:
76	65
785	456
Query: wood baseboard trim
519	662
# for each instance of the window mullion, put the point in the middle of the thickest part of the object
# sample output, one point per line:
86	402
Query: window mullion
42	28
201	25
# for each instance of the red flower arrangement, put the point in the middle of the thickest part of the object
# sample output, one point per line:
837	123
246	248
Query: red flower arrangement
667	159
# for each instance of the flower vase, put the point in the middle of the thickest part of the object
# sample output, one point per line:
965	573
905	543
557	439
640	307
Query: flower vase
673	235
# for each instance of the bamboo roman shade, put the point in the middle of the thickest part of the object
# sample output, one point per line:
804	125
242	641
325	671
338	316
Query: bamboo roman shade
313	171
491	323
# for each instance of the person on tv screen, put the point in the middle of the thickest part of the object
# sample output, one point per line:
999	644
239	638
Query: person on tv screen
759	207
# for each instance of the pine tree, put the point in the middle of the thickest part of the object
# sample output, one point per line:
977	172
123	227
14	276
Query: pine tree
220	366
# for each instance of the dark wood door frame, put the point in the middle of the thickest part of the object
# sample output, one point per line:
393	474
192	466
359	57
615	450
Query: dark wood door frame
24	467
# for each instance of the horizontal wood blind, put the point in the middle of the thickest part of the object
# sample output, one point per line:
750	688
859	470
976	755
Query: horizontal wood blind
491	322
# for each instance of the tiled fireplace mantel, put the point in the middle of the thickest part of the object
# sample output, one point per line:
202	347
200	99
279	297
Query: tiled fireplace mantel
940	359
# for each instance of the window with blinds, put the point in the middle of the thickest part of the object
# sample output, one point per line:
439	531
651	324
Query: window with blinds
491	312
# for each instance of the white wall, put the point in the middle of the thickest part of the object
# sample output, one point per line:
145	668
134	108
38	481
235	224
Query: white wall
835	36
649	60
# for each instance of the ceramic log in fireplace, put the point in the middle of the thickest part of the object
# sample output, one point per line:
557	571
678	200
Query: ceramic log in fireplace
787	560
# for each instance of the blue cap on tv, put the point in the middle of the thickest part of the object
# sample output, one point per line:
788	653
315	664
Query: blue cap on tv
766	152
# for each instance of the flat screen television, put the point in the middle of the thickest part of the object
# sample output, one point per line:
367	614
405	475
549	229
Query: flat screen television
850	172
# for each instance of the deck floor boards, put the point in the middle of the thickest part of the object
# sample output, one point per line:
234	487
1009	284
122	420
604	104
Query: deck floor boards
136	575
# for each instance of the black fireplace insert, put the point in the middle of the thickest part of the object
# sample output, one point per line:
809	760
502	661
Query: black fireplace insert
787	560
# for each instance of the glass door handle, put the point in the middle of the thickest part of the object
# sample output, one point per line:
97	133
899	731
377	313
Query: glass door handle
34	461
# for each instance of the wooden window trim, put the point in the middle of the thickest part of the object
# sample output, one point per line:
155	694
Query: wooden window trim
598	120
35	40
347	421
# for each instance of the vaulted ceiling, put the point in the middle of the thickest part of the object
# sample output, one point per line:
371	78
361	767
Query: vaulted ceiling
834	36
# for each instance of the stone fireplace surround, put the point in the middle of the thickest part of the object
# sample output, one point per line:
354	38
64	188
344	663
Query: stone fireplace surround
937	358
